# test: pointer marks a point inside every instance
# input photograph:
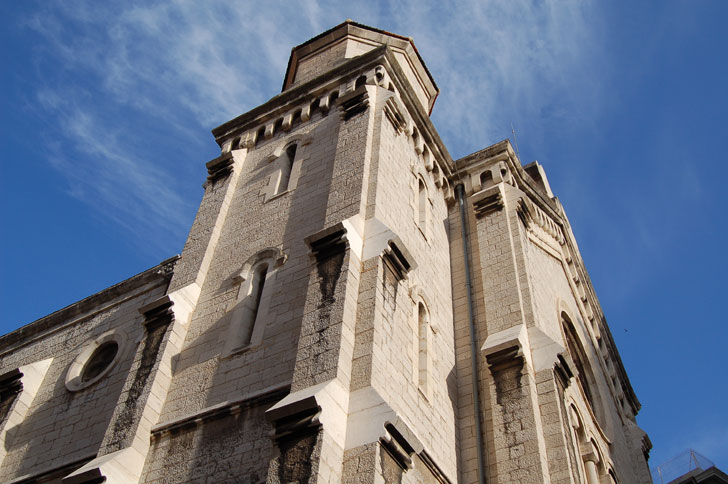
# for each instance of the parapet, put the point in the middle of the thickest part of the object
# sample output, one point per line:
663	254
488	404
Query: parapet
350	39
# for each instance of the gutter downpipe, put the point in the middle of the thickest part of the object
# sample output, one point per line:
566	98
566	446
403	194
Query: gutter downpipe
460	189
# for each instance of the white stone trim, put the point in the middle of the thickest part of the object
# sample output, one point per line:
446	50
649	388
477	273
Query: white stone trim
75	371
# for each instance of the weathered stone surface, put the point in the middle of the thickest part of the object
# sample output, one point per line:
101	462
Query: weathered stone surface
316	328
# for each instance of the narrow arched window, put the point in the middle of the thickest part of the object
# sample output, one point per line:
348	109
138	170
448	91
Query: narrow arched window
486	179
421	204
585	376
252	302
296	119
423	325
260	135
286	168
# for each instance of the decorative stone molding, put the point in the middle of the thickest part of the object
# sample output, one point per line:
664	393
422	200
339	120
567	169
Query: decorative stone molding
220	167
437	473
75	380
354	102
328	242
395	113
158	313
533	218
398	258
11	384
488	201
397	446
220	410
166	268
273	254
563	371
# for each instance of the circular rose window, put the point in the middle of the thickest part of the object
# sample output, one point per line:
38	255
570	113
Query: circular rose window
96	359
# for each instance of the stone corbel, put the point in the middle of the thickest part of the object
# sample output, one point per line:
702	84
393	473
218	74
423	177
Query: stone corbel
306	112
524	212
287	121
398	258
220	167
505	348
381	77
324	104
309	410
419	144
488	201
563	371
354	102
11	384
401	443
248	141
158	313
328	242
396	113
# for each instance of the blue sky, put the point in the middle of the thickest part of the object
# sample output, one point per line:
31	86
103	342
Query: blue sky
106	112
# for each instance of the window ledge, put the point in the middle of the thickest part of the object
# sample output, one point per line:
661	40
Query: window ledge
278	195
240	350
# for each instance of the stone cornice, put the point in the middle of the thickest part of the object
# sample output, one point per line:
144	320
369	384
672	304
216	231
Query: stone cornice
351	29
159	274
551	212
280	104
277	104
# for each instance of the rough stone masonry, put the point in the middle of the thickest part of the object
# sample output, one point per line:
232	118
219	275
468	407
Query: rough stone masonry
351	305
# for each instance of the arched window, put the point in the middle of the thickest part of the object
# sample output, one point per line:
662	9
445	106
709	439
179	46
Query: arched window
423	325
486	179
251	303
260	135
422	205
249	312
286	167
585	376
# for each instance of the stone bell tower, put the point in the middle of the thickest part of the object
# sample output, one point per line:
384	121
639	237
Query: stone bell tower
317	274
351	305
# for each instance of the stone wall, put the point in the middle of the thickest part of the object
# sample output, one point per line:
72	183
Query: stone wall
60	426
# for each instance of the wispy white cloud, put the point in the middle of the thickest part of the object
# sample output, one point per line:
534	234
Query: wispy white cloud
184	66
105	172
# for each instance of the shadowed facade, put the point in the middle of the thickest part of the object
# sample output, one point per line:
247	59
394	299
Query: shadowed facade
351	305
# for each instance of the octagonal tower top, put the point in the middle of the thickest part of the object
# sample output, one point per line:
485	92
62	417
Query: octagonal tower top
350	39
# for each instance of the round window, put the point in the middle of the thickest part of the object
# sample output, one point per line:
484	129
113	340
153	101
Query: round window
101	359
95	360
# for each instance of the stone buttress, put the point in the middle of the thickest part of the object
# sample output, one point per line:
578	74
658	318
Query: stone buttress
316	327
558	406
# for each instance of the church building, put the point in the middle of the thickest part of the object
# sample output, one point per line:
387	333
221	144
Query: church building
351	305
